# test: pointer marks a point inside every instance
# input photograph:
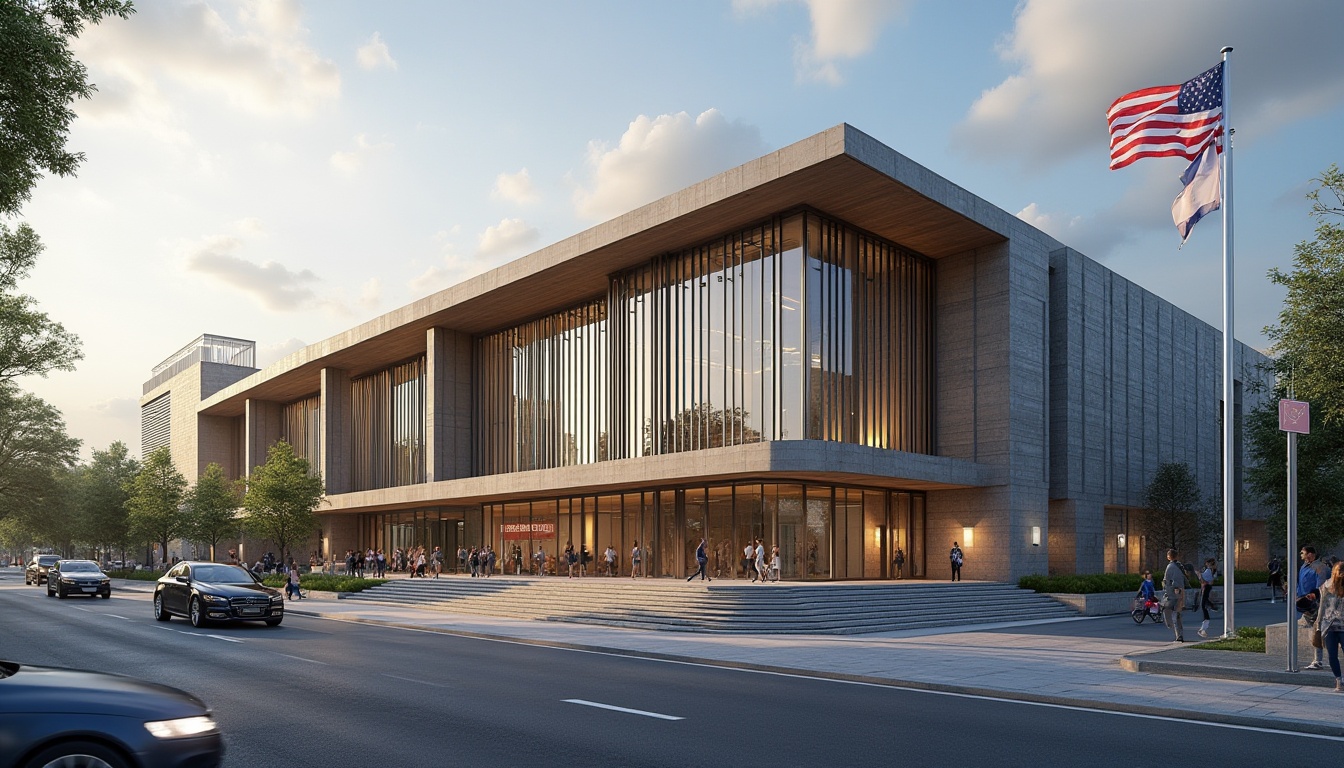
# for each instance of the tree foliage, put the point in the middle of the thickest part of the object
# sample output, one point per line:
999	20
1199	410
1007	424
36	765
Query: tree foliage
1310	333
39	79
103	496
212	507
281	499
31	343
1176	514
1320	474
34	447
155	497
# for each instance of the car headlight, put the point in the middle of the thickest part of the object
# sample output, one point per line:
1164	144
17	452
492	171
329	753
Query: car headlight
67	580
181	728
277	598
215	599
104	582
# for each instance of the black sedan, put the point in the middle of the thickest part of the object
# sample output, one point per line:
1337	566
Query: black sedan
208	592
65	717
36	572
77	577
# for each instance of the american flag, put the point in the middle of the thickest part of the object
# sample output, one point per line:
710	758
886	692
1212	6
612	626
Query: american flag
1167	120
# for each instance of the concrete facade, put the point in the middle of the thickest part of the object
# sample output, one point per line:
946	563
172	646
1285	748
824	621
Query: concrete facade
1060	387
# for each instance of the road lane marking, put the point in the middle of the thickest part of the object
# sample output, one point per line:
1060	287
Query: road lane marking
221	637
115	616
201	634
300	658
414	680
621	709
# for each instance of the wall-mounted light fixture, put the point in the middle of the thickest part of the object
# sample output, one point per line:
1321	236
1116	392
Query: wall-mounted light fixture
1245	544
1035	535
1120	540
968	536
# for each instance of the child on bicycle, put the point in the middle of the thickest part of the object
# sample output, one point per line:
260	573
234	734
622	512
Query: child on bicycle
1148	593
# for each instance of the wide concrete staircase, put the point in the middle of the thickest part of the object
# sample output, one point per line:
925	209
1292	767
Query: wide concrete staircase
724	606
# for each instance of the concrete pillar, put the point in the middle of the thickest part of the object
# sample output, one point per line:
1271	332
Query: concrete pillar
336	428
448	360
262	419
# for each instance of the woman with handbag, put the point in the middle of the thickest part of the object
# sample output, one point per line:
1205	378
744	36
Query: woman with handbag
1330	620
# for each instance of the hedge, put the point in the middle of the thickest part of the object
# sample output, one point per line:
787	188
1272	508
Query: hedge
1095	583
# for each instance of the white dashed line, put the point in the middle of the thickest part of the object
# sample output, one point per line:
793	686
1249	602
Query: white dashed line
622	709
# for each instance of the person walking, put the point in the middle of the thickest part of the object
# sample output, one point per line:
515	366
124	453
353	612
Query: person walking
1275	582
635	560
609	557
701	559
748	554
292	590
1330	620
1173	595
899	562
571	559
1206	592
585	557
540	559
774	563
957	558
382	563
1308	600
758	557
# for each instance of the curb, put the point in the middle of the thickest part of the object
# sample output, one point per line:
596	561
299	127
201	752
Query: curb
1319	729
1135	662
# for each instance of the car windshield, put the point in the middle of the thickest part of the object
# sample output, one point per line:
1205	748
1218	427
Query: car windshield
222	574
79	567
48	560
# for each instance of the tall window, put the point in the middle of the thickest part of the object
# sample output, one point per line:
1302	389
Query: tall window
800	328
388	420
299	422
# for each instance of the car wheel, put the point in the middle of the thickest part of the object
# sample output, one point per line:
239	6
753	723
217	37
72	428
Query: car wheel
160	613
197	613
85	754
107	595
48	590
60	591
274	622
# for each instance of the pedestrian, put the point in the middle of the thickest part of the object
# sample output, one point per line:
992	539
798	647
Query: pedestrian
701	559
1206	592
1330	620
382	563
957	557
292	589
610	558
1173	595
1275	582
758	560
748	554
899	562
540	559
1308	601
474	560
420	562
517	556
571	559
437	559
774	563
233	558
634	561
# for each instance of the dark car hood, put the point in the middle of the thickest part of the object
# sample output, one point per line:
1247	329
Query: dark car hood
234	590
33	690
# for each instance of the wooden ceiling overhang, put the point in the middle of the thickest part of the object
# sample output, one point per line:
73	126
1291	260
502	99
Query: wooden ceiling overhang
840	172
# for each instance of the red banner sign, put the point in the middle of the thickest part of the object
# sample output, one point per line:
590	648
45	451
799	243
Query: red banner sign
1295	416
515	531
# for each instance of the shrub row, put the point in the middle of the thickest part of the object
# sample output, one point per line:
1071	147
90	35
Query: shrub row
1095	583
326	582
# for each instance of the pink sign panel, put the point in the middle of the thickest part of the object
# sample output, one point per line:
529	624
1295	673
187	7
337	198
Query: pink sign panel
514	531
1295	416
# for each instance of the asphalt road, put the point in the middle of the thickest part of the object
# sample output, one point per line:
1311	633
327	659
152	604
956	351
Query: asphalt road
316	692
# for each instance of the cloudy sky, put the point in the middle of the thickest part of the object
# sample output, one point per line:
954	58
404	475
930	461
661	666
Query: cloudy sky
280	171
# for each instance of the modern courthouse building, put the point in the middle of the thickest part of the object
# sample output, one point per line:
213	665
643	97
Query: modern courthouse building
830	348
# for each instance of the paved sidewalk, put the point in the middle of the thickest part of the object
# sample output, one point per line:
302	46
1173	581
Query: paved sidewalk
1144	676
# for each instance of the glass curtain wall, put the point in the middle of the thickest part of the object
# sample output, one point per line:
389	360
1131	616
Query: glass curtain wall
800	328
388	424
299	424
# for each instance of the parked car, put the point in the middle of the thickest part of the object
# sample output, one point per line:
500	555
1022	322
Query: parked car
207	592
78	577
36	572
65	717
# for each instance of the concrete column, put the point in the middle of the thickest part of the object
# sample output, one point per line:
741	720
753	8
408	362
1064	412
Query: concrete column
262	420
336	428
448	366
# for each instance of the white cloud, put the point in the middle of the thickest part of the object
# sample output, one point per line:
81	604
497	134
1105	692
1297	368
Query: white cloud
260	62
515	188
841	29
374	55
350	161
1144	208
250	226
1071	61
274	352
451	269
273	285
509	236
660	155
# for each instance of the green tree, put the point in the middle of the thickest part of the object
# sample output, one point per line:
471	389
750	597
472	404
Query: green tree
103	497
31	343
34	446
39	79
281	499
1320	474
154	500
1176	515
1310	333
212	507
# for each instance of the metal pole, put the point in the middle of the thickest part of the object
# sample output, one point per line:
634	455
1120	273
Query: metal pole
1229	389
1291	575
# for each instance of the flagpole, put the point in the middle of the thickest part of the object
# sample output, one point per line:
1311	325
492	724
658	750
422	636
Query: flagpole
1229	388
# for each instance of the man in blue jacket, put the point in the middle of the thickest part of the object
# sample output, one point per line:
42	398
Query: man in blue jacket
701	558
1308	593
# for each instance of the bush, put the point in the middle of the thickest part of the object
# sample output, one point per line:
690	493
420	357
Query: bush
325	582
136	575
1094	583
